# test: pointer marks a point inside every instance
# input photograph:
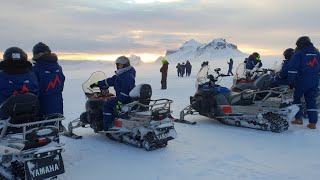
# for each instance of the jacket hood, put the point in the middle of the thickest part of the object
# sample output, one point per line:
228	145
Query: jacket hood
49	66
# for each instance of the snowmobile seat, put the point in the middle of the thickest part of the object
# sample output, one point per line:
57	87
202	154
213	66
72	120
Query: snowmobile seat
141	93
21	108
243	98
263	82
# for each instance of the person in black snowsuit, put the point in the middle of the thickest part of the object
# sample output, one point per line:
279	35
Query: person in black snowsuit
183	69
188	68
230	67
164	73
179	69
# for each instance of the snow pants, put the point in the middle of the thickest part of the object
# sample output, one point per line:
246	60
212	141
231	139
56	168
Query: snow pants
310	95
108	112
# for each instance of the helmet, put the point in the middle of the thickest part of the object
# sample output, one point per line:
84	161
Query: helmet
40	48
303	41
15	54
256	55
123	60
164	61
288	53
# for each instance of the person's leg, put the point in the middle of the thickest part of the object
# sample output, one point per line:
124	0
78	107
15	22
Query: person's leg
312	112
108	116
297	95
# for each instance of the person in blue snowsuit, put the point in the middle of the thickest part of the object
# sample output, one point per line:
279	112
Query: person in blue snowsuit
230	67
51	79
123	82
253	60
188	68
183	69
303	76
282	77
16	76
179	69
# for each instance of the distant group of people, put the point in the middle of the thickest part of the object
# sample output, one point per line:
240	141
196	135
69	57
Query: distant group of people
184	69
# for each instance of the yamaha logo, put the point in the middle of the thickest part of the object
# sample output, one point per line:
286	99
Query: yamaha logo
45	170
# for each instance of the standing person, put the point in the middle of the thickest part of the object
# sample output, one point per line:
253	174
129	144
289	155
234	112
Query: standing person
183	69
123	82
188	68
179	69
164	73
16	76
51	79
303	75
230	67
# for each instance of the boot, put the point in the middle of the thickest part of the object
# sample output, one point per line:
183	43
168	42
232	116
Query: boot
312	126
297	121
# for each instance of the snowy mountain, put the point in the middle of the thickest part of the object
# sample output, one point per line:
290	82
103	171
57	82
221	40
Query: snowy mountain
135	60
193	50
159	60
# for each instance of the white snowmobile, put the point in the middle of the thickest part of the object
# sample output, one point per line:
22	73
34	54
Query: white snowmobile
239	109
29	145
143	123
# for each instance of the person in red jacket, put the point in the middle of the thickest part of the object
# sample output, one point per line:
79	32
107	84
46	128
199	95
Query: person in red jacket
164	73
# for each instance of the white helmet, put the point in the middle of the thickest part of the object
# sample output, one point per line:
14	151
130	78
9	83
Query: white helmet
123	60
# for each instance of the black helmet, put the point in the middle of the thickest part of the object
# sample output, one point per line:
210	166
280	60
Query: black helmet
40	48
15	54
256	56
288	53
303	41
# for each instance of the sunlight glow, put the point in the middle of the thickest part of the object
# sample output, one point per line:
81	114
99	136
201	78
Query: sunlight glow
154	1
145	57
261	51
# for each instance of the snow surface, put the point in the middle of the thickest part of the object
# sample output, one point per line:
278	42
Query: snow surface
206	151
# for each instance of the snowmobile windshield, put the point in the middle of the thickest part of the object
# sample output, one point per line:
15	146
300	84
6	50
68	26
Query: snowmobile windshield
240	72
202	75
277	66
95	77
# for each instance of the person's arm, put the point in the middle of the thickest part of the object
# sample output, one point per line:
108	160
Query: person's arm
107	82
293	67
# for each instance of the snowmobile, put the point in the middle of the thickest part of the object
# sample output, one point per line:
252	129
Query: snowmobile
244	79
239	109
142	123
29	145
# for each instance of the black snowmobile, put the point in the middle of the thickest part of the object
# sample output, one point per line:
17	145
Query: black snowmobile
29	145
238	109
143	123
244	79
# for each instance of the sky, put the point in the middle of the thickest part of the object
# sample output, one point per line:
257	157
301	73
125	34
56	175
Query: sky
105	29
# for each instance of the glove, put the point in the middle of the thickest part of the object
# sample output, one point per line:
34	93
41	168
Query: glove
94	85
119	105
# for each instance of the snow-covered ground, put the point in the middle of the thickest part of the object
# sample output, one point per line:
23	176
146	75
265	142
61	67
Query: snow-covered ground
206	151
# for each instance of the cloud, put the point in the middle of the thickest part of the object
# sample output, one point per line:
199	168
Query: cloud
121	26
